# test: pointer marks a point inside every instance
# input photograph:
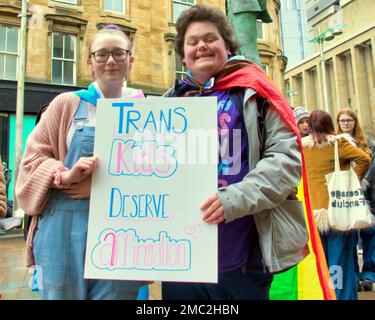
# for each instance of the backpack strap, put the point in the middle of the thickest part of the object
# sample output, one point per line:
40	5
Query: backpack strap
262	105
237	95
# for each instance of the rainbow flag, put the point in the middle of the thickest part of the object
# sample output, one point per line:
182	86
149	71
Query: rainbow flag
310	279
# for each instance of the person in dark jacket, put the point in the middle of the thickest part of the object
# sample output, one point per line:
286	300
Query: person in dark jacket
367	276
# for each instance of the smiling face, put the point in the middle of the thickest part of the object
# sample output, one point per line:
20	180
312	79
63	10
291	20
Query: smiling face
204	50
111	72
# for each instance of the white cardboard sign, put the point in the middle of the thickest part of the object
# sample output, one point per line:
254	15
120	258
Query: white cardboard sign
157	164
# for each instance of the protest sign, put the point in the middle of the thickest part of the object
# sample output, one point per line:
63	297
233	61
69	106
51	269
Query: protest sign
157	164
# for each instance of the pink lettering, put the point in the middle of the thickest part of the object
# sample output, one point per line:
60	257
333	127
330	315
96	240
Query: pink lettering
124	249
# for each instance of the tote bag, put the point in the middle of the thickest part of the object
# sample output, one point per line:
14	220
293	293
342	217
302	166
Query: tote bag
347	208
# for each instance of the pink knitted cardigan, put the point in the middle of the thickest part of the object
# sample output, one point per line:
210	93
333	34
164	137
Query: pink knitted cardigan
45	151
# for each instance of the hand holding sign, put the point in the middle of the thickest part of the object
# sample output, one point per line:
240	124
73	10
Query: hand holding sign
80	171
213	211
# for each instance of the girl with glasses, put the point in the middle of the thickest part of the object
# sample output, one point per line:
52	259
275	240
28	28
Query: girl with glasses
54	179
347	122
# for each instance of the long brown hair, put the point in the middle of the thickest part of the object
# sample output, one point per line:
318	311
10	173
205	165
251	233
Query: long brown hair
321	125
358	133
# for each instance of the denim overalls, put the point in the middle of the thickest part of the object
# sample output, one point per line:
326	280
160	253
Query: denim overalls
60	241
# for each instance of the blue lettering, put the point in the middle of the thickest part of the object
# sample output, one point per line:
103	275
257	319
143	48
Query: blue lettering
150	119
135	213
163	206
111	214
167	123
124	214
121	105
148	209
137	206
183	118
130	120
140	212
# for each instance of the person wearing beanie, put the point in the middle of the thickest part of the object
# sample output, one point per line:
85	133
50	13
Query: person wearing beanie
302	117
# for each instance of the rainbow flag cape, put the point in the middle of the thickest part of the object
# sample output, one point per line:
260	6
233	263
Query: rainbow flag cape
310	279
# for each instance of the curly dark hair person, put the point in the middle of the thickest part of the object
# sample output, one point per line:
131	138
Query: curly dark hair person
199	13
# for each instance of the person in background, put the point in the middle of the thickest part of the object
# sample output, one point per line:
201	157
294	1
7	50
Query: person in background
54	179
347	122
367	275
302	117
318	149
205	42
3	196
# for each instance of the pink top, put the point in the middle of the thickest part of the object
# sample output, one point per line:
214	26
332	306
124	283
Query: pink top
45	151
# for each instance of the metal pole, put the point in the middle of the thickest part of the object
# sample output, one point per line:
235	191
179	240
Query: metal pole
324	82
20	97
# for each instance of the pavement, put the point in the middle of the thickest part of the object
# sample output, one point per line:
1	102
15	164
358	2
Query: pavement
15	278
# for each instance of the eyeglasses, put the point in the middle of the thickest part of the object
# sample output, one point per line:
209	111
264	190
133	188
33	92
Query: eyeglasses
119	55
346	121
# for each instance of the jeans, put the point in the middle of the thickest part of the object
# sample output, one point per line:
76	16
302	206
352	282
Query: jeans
60	242
338	249
232	285
368	245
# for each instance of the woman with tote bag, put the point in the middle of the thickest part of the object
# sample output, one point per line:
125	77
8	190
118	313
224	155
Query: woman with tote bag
347	122
318	149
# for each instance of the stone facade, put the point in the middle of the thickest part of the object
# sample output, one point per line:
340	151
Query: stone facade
349	64
148	23
269	48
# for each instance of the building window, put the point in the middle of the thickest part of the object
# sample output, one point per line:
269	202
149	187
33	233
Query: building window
180	68
63	58
117	6
260	31
67	1
8	52
179	6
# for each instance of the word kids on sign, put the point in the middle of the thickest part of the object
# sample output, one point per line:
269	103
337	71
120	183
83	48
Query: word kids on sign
157	164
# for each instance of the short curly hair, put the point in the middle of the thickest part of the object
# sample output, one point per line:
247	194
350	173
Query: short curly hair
200	13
